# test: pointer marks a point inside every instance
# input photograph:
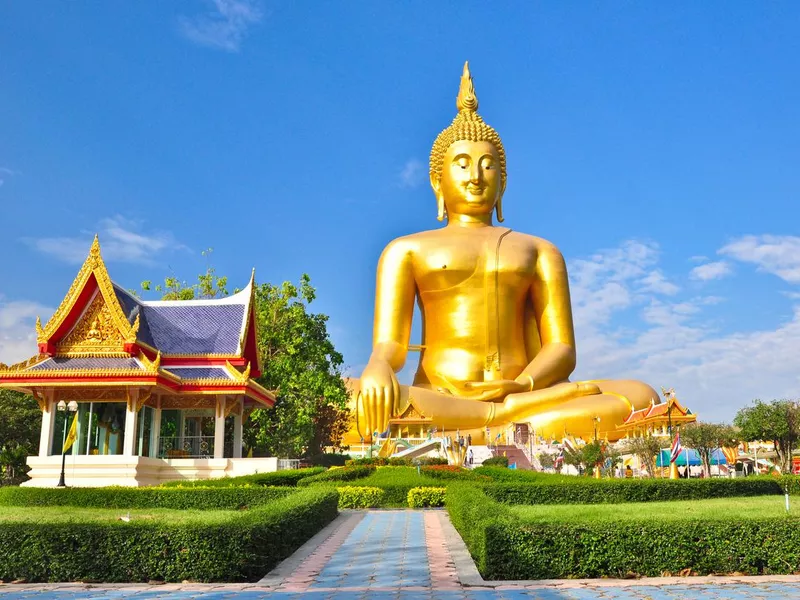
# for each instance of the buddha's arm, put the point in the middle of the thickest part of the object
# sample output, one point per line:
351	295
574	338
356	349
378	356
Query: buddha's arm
551	302
394	305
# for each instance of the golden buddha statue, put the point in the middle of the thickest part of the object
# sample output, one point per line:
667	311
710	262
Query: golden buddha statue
498	344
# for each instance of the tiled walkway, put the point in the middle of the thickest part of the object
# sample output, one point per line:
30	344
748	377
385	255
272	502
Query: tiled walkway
408	555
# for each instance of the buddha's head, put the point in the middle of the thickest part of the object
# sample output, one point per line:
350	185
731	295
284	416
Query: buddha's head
468	162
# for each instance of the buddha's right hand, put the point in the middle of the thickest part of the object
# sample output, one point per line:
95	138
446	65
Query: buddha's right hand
380	392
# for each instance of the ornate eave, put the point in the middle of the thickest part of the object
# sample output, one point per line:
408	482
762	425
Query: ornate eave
658	414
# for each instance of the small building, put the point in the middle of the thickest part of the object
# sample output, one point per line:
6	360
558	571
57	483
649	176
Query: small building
160	389
657	419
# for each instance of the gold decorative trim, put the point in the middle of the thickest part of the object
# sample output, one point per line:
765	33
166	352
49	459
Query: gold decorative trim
93	265
151	366
39	400
45	373
25	364
236	374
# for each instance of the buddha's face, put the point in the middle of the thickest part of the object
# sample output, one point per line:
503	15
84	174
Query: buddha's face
471	182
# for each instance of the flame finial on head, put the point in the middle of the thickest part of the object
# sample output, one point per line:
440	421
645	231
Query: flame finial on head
466	100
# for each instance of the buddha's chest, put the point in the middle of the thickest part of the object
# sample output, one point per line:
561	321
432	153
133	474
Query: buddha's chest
463	264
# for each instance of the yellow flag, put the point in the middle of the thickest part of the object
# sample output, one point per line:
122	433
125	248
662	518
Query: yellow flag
72	434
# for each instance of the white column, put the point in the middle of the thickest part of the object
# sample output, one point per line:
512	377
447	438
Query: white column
237	429
155	430
219	428
129	444
48	423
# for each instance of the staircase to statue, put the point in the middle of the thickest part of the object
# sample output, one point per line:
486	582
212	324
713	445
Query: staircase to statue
514	454
479	454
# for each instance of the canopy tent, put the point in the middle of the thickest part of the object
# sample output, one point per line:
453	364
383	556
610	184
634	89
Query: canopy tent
717	458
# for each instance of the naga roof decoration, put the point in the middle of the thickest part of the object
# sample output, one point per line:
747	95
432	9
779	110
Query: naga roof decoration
102	335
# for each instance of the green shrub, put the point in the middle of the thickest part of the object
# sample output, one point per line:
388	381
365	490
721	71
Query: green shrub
520	475
371	461
430	460
343	474
329	460
286	478
231	498
593	491
359	497
496	461
451	472
242	548
423	497
400	461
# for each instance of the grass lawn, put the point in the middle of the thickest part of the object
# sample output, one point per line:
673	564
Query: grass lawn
70	514
397	476
717	509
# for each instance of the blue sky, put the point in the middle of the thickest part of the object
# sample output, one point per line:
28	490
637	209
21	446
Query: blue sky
656	145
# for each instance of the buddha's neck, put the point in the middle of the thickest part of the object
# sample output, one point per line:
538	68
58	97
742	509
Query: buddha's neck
469	220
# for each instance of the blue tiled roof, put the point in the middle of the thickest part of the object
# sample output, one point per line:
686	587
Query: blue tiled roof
64	363
200	372
188	327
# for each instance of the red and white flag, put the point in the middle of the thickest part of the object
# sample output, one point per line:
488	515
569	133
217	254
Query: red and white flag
675	452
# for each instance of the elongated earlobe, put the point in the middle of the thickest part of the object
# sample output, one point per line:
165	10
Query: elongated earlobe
499	209
442	211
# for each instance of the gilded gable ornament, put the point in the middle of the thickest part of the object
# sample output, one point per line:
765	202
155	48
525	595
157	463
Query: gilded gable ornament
95	333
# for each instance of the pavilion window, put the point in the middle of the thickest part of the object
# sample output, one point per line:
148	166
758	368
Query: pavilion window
144	425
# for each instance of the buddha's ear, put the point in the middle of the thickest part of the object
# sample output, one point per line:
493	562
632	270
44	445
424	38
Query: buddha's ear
499	205
436	184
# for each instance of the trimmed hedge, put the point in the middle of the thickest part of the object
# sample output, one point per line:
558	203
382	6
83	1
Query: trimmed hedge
593	491
231	498
243	548
340	474
496	461
425	497
359	497
287	478
506	547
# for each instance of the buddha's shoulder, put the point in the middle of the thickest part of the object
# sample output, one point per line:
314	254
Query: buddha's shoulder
534	243
415	241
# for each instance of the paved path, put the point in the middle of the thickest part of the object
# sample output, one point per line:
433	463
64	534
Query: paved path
409	555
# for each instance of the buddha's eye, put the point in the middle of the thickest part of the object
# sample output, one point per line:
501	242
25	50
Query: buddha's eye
463	162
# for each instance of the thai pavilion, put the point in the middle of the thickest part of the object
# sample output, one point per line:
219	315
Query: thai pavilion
160	389
657	419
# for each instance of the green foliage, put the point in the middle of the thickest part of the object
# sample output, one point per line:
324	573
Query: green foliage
425	497
300	362
339	474
208	285
371	461
287	478
575	490
476	517
496	461
329	460
243	547
230	498
401	461
704	438
429	460
506	545
519	475
451	472
359	497
646	449
20	423
777	421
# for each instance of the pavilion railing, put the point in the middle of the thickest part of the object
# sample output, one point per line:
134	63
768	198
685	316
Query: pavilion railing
285	464
189	446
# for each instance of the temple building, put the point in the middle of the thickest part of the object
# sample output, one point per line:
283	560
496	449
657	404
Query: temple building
657	419
160	388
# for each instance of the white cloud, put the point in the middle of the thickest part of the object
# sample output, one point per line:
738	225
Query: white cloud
5	173
223	28
712	270
413	174
775	254
626	332
18	329
656	282
120	241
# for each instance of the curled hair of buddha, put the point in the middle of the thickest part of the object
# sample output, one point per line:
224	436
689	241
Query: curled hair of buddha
467	126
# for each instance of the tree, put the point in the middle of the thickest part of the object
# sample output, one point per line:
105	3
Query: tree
208	285
586	457
299	362
547	460
20	424
645	448
777	421
704	438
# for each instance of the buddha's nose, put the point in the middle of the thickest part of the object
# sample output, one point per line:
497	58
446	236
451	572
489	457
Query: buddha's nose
475	174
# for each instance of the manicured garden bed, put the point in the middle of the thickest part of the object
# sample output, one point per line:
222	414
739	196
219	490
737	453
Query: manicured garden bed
63	543
745	535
